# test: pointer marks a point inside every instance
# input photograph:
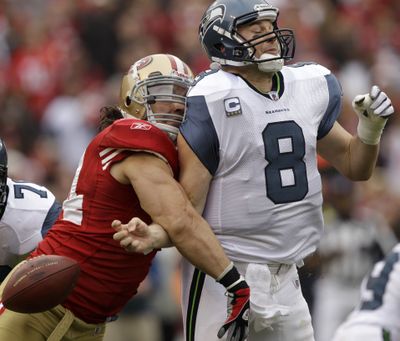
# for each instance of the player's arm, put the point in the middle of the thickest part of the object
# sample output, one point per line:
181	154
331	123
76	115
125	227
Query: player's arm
167	204
194	176
136	236
348	154
355	156
195	180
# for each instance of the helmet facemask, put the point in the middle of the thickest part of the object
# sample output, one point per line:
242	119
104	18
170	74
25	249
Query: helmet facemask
266	62
151	88
162	89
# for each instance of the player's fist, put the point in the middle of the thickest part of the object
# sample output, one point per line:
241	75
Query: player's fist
373	109
373	105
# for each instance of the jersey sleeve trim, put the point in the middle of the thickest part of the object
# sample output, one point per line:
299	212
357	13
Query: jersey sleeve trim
199	132
51	217
334	106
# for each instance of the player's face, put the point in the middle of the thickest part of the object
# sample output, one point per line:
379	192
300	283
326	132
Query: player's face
259	29
170	107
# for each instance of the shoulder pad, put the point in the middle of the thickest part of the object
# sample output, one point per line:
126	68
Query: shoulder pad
134	134
203	74
215	83
300	64
311	67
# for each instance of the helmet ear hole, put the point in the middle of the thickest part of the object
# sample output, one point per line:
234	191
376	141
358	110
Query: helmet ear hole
220	47
128	101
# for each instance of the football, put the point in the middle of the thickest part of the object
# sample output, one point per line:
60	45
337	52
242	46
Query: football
40	284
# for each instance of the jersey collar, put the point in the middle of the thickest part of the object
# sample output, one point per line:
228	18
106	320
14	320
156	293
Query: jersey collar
277	89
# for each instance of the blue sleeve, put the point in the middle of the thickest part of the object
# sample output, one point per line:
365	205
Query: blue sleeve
51	217
199	132
334	106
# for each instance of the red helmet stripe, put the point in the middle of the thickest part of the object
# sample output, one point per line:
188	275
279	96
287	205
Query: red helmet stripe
186	68
173	62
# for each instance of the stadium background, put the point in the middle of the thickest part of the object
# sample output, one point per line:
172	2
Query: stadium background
62	60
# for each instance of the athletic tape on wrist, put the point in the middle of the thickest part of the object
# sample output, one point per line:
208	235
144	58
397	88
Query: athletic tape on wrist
370	132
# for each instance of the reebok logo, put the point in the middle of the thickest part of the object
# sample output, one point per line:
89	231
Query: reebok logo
141	126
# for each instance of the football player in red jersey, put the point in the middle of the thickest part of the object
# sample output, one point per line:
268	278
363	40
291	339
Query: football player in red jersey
128	169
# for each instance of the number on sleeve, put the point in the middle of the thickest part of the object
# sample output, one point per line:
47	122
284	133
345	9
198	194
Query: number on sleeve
18	188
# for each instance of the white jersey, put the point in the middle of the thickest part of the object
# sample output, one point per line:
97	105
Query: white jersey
265	201
31	210
380	298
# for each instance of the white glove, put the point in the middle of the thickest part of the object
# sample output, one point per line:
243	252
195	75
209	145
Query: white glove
373	110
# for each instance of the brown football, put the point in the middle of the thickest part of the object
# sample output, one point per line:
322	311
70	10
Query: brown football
40	284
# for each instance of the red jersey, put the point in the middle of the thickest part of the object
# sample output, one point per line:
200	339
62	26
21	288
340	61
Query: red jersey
109	275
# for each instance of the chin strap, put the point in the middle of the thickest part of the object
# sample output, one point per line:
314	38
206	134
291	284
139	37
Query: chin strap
270	65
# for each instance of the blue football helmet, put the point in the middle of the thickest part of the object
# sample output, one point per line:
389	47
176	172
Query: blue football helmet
3	177
219	36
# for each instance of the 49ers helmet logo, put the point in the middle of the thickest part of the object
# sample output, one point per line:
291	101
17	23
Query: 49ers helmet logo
143	62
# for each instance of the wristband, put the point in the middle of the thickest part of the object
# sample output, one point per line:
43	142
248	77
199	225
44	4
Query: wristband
231	279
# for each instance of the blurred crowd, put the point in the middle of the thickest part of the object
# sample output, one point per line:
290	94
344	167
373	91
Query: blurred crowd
62	60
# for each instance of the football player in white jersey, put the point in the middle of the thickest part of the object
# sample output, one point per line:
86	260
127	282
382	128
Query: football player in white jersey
27	211
248	160
377	316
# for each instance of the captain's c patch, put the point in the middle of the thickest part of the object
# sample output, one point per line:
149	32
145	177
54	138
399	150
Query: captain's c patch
232	107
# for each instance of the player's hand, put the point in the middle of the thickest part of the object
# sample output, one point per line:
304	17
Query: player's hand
134	236
237	323
373	109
